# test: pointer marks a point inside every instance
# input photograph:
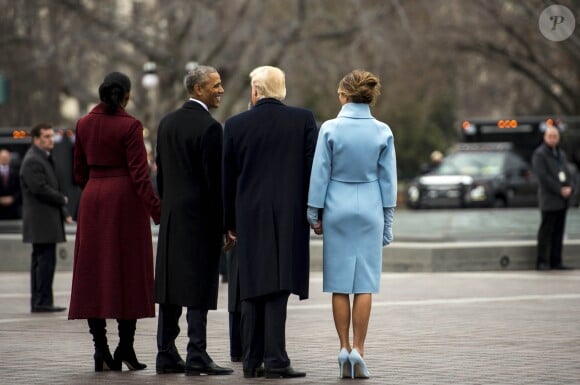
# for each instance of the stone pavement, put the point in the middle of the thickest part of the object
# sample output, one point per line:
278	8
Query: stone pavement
506	328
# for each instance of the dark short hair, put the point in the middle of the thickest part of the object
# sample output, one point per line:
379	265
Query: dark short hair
198	75
35	132
113	90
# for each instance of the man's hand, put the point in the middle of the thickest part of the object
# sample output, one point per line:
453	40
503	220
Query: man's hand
69	220
6	200
566	192
231	238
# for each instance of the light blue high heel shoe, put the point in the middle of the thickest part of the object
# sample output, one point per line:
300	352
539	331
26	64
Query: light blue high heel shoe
344	364
358	368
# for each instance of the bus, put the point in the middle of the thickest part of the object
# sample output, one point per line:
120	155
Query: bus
525	133
491	166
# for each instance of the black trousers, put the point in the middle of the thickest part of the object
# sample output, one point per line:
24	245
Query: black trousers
236	349
168	330
550	237
264	331
42	274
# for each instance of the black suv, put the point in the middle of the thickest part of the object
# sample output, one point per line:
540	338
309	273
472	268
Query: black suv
476	175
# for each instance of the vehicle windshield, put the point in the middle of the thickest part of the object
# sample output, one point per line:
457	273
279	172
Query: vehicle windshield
472	164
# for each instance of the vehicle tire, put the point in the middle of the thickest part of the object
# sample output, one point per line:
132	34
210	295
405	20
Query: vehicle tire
499	202
413	206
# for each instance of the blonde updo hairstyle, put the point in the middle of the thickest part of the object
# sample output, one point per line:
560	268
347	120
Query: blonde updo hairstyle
360	86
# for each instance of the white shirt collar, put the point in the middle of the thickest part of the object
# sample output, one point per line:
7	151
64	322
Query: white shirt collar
200	102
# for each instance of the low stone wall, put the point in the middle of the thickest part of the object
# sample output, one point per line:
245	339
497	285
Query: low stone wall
398	257
470	256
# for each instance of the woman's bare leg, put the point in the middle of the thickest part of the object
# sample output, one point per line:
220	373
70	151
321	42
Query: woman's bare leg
341	314
361	312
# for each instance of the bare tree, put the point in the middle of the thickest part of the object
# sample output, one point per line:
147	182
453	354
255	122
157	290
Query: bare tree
439	60
507	34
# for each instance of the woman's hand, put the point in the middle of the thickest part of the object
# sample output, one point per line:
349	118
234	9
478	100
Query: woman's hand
388	225
387	236
317	227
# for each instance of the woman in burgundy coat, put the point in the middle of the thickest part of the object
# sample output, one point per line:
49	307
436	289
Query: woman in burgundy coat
113	259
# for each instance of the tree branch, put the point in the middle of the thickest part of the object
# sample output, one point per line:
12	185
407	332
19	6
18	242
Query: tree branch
487	49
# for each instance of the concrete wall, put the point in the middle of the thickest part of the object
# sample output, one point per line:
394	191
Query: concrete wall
398	257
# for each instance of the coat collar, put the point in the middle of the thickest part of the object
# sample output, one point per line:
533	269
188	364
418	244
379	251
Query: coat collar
40	152
264	101
355	111
101	108
549	150
193	105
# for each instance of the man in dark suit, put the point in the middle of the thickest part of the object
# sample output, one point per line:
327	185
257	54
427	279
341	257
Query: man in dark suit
43	214
189	146
10	196
555	188
268	154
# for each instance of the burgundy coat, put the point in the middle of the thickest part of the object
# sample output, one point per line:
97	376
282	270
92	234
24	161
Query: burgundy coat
113	261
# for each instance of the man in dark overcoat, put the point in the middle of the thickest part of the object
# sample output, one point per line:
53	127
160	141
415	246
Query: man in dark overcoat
268	152
555	187
43	216
189	147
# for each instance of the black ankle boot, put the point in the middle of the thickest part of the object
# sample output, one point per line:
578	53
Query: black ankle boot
125	352
127	355
102	356
104	361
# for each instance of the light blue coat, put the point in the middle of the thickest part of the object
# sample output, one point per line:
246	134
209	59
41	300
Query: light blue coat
353	178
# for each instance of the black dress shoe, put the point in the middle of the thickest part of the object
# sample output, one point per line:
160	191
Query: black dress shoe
562	267
543	267
174	367
211	369
47	309
287	372
253	373
169	361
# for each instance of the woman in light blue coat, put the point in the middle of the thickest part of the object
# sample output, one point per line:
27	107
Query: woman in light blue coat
354	184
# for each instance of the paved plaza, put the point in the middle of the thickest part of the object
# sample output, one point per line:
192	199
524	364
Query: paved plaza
426	328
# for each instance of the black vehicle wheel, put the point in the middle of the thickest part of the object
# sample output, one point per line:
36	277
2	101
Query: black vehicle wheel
416	206
499	202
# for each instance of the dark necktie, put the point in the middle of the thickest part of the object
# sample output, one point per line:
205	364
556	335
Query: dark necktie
51	160
5	177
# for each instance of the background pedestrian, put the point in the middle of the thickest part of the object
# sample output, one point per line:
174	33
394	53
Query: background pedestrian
555	187
10	194
43	216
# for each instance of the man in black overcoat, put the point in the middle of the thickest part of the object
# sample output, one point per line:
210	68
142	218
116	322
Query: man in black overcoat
268	152
189	150
43	216
555	187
